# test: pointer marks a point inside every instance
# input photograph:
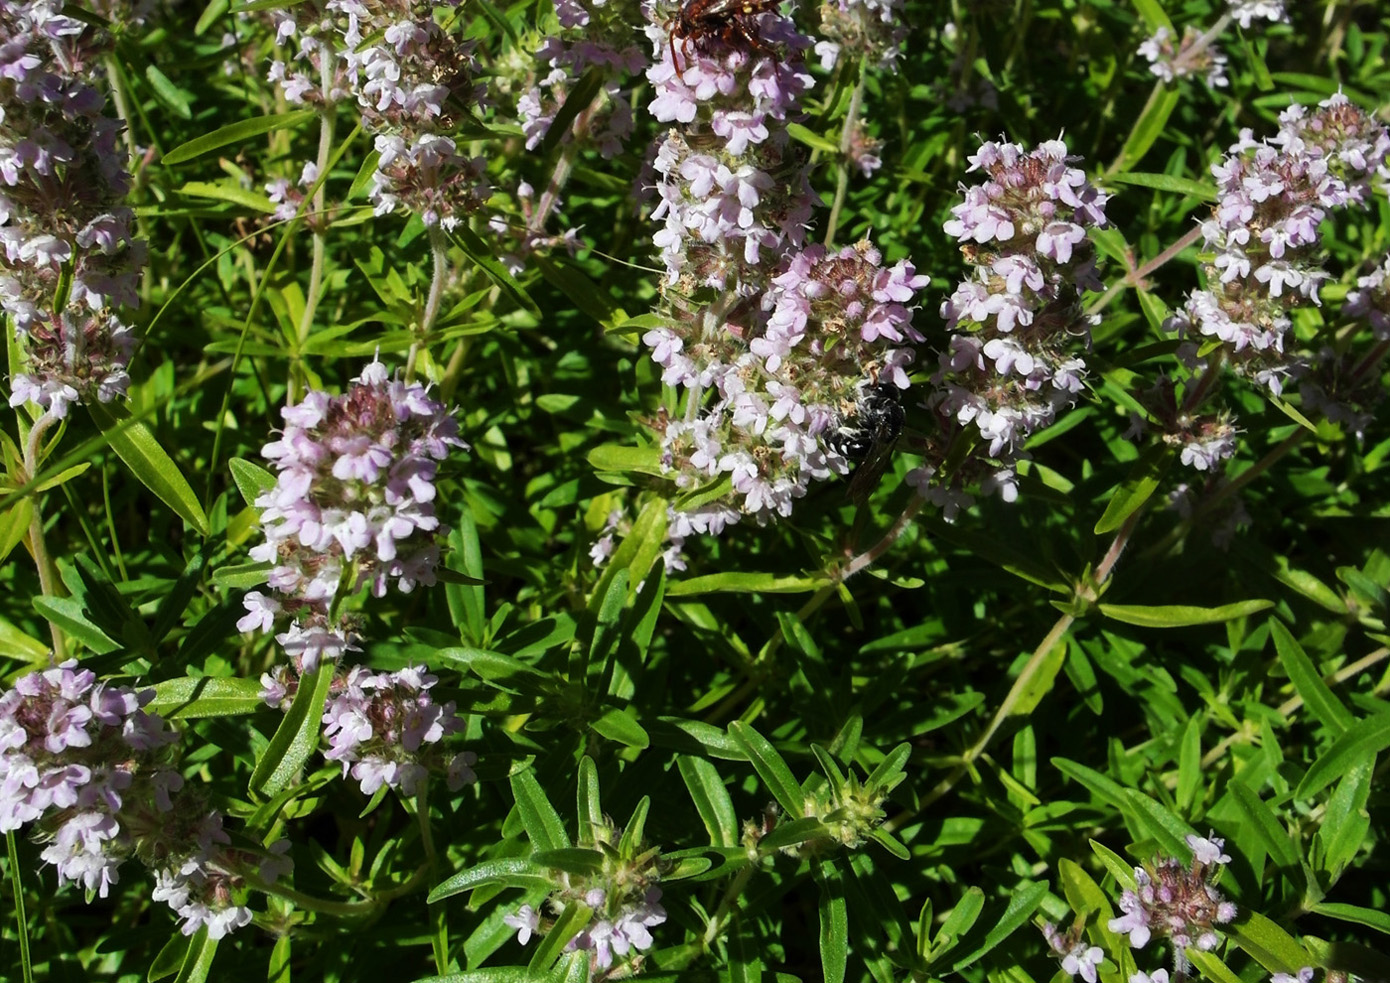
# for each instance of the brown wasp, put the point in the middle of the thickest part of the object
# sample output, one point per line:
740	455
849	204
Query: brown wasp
730	22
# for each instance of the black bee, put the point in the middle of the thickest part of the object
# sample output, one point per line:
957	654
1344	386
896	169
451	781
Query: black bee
867	438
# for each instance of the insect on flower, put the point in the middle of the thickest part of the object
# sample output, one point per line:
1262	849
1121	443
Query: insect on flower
868	437
727	21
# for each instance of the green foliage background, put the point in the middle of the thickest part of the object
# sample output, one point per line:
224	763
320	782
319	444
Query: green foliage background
1238	689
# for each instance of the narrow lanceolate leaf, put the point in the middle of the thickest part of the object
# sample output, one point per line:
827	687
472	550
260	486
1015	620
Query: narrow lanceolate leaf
1180	615
961	919
1317	696
1265	827
587	798
834	924
1378	920
1143	480
770	768
296	737
510	872
1022	903
1148	127
251	479
189	697
137	446
711	799
1269	945
197	963
538	816
236	134
1362	741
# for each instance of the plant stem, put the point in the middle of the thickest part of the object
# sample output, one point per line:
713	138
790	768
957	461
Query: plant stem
1286	709
320	237
1025	677
856	99
1135	277
439	250
726	905
48	574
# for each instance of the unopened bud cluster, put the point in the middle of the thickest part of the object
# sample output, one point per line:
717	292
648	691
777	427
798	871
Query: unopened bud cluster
352	507
622	896
383	727
95	773
1017	322
868	30
68	257
412	81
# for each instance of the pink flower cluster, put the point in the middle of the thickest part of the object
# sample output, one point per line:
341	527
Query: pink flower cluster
1273	195
776	346
592	35
1177	901
379	725
412	82
1012	364
63	180
616	931
829	331
352	507
82	760
1193	55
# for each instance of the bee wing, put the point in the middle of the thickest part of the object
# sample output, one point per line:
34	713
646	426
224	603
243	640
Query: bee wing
868	475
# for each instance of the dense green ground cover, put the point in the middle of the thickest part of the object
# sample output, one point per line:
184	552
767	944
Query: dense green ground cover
886	736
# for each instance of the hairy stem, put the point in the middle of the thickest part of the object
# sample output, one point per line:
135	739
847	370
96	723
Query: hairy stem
856	99
48	574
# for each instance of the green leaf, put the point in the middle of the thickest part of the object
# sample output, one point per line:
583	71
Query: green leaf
1154	15
1362	742
619	725
1023	901
168	93
578	99
961	920
571	921
538	816
1103	788
1143	480
197	963
251	479
1211	966
1268	944
235	134
1180	615
739	582
485	258
1170	831
169	958
297	736
1345	823
1117	866
14	526
68	614
627	460
794	833
136	445
590	807
770	768
711	798
1167	182
1190	763
571	860
1265	826
1306	679
1378	920
511	871
812	139
1147	128
834	923
188	697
